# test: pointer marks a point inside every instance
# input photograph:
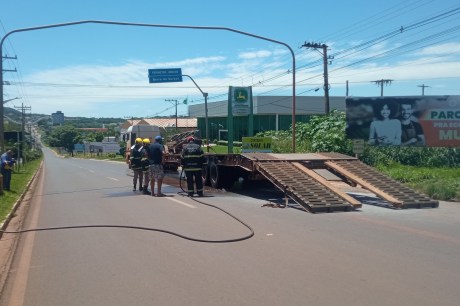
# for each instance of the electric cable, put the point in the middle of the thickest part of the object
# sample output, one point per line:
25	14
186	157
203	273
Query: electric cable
132	227
251	234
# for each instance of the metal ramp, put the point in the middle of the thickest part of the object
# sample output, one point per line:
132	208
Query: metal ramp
398	194
305	187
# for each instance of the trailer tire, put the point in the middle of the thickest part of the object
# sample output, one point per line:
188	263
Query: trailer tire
214	175
205	175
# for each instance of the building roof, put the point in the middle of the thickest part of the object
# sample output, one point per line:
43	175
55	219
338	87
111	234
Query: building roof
171	122
128	123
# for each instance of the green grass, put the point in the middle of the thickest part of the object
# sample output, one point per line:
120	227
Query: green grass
438	183
19	180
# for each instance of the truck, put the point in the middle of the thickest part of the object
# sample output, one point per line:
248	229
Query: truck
309	179
139	131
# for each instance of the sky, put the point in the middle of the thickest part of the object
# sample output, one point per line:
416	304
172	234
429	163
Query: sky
101	70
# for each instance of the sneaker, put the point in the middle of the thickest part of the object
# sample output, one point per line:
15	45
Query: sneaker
134	188
190	194
140	188
146	191
200	194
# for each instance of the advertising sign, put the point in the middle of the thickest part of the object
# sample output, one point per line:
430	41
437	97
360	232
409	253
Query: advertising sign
240	100
431	121
256	144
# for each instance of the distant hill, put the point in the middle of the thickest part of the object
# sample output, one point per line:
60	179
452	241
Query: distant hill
79	122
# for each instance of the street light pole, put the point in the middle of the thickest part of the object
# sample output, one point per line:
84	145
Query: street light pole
205	95
149	25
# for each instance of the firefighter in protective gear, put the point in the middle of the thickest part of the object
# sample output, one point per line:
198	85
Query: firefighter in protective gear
135	163
145	166
193	160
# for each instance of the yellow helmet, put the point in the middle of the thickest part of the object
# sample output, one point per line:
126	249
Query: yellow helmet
146	141
139	140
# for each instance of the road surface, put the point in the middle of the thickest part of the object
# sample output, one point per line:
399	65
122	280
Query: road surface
373	256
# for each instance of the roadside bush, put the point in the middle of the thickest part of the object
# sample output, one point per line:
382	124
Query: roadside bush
281	140
32	155
324	134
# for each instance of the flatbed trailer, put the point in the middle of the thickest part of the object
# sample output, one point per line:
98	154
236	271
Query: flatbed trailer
306	178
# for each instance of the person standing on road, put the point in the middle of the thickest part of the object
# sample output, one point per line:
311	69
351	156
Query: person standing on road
192	160
7	161
156	160
145	165
135	163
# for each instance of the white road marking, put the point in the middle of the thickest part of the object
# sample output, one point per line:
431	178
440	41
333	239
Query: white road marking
180	202
112	178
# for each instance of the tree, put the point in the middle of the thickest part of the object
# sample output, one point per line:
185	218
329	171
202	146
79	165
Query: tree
64	136
326	133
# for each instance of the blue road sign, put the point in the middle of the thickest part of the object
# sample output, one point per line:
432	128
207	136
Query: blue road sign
165	75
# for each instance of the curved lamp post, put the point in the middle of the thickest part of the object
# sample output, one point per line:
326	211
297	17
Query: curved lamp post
145	25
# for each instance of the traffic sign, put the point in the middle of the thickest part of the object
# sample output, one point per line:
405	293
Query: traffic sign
165	75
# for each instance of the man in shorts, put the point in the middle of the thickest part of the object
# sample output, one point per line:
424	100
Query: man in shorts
156	159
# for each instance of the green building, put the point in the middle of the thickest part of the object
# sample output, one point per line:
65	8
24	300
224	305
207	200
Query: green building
269	113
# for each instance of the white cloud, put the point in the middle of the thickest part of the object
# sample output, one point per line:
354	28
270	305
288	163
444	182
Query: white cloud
441	49
255	54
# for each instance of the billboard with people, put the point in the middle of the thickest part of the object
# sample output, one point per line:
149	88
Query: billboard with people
431	121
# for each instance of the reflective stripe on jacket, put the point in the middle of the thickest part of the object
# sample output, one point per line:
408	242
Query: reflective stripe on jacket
193	157
136	154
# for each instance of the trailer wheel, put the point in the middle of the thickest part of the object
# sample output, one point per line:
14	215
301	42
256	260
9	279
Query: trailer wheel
205	175
214	175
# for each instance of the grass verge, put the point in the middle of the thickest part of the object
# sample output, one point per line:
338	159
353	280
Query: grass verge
19	180
438	183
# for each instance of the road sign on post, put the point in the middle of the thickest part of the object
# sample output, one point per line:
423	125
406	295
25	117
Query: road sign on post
165	75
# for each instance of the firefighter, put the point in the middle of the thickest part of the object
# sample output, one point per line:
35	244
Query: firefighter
135	163
192	160
145	165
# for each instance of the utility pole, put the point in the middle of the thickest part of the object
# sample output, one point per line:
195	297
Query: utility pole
423	88
173	100
2	131
381	83
325	63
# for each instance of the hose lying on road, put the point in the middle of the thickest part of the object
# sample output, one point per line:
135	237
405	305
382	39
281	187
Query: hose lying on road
144	228
134	227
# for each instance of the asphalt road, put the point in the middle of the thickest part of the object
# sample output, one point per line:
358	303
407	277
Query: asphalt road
373	256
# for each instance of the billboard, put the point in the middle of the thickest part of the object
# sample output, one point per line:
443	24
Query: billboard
431	121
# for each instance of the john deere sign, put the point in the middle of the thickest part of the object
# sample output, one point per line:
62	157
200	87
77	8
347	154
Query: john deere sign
240	100
239	104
